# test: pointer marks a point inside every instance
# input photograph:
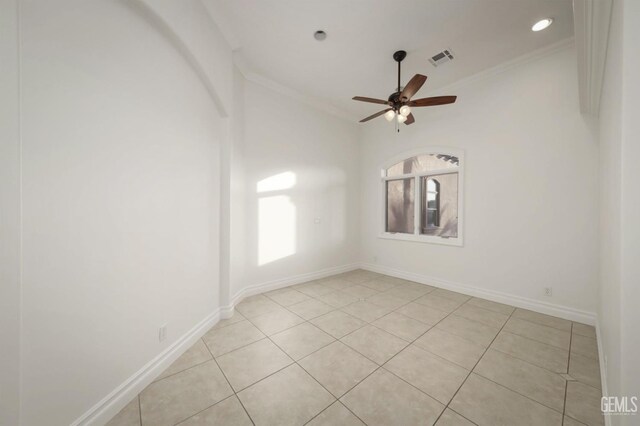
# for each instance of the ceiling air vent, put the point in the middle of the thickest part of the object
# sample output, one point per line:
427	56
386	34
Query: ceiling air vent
442	57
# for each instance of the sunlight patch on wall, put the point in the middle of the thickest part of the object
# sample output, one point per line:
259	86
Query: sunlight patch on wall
276	218
277	182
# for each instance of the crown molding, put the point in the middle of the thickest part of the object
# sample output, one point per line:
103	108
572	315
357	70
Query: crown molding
274	86
591	20
488	73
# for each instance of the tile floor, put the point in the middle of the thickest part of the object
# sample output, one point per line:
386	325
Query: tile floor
364	348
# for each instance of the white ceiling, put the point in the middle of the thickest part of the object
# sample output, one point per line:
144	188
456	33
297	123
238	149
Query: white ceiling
274	39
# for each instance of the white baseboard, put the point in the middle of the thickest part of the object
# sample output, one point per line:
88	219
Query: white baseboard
285	282
111	405
495	296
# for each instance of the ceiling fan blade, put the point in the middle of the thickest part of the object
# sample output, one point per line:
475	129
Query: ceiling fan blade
377	114
370	100
410	119
436	100
413	86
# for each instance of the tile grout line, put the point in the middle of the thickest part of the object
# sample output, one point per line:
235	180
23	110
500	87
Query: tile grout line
409	343
566	383
475	365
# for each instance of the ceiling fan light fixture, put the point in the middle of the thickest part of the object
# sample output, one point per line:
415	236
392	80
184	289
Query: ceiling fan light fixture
401	118
389	115
542	24
405	110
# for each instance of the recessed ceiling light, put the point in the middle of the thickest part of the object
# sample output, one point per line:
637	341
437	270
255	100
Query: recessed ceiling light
542	24
319	35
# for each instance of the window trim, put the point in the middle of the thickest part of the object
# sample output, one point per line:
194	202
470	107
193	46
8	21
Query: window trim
417	236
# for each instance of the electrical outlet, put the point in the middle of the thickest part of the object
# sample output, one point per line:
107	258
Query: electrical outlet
548	291
162	332
375	259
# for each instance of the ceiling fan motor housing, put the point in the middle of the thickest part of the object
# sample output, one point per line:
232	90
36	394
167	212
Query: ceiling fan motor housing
399	55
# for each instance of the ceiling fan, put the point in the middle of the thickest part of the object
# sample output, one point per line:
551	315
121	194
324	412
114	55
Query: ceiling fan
400	102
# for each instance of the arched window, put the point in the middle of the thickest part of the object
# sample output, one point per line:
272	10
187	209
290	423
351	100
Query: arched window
422	195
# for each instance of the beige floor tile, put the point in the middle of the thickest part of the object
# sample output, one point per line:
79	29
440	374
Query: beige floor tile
223	340
484	316
336	415
471	330
228	413
583	404
386	301
276	321
433	375
451	418
568	421
337	367
366	311
542	319
377	345
451	347
359	275
440	303
393	280
196	354
310	308
379	285
487	403
256	305
128	416
360	291
527	379
289	397
458	297
585	370
336	283
545	356
235	317
247	365
406	293
338	298
422	313
301	340
584	330
382	399
314	289
287	296
402	326
491	306
584	346
411	285
184	394
338	323
542	333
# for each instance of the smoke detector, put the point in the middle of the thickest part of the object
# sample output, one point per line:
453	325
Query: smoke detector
441	57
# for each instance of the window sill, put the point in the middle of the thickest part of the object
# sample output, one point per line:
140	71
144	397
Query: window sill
457	242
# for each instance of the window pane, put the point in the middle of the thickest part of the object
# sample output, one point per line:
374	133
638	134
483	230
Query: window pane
439	212
423	163
400	206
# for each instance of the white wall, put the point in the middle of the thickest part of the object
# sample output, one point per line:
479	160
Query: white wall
610	121
530	205
121	183
630	190
619	133
9	215
312	159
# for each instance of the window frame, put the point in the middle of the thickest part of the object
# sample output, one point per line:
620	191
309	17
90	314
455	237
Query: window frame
417	236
